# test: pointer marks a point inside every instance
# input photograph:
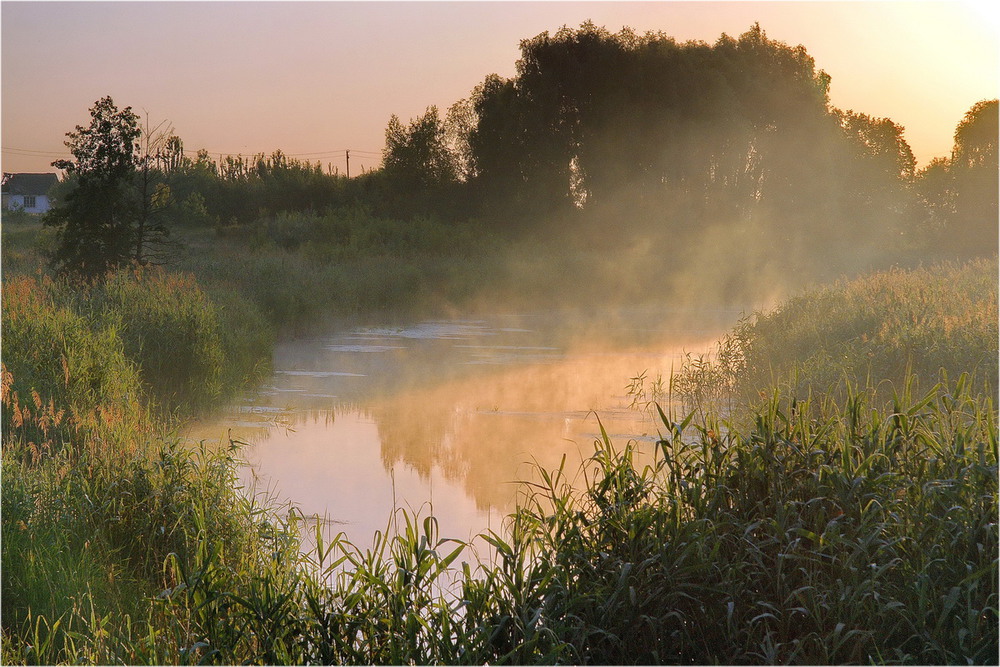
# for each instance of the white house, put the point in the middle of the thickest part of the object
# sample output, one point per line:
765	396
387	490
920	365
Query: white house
27	192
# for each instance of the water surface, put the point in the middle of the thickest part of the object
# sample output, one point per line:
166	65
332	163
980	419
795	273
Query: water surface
445	416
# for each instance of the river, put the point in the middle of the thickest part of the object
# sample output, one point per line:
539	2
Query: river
444	416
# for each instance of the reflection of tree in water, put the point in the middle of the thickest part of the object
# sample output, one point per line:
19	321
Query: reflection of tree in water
485	435
484	453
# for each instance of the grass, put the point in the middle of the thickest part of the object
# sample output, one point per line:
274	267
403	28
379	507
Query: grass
843	538
846	515
883	326
299	270
861	535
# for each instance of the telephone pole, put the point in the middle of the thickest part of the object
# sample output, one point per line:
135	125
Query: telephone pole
348	151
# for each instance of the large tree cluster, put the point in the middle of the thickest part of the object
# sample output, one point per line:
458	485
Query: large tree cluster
681	139
681	144
685	136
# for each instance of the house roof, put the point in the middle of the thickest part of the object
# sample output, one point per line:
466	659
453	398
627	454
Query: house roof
28	184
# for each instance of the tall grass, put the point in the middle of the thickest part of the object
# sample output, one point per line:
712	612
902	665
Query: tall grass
95	546
72	342
62	375
301	269
857	525
857	535
884	326
90	507
168	327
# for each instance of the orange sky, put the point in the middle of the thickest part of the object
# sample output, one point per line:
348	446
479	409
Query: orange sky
314	78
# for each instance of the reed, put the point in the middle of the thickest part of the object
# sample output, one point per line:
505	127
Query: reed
855	535
859	535
855	525
884	326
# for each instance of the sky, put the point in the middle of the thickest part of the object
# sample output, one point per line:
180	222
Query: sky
315	78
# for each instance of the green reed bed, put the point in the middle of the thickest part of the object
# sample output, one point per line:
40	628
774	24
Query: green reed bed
855	535
106	556
882	326
300	269
846	522
91	503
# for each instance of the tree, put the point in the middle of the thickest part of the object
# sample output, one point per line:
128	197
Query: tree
112	216
418	155
959	194
150	236
420	172
974	168
875	171
459	123
935	194
976	136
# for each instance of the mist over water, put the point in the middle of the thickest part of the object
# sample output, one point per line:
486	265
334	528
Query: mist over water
445	416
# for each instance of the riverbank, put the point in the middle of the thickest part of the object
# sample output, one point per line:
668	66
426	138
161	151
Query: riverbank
788	535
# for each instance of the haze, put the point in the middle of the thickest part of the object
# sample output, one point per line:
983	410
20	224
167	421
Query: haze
314	79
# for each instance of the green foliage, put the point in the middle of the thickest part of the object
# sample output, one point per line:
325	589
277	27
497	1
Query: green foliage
169	328
91	512
417	155
350	232
786	535
241	189
25	247
133	338
194	211
89	540
884	326
974	168
959	194
62	376
681	135
297	269
96	219
18	216
855	535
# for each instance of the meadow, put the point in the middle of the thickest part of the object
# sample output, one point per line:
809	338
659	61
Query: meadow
894	326
827	495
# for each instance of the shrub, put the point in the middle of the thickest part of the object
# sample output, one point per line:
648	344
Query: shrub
883	326
168	327
60	373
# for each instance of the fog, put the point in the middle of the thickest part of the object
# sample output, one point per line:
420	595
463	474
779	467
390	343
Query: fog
452	413
629	199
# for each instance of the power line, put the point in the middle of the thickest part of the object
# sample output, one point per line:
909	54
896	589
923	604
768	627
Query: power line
31	151
317	154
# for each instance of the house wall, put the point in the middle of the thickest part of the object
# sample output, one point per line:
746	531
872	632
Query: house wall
16	202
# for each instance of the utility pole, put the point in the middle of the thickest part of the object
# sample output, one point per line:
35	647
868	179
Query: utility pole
348	163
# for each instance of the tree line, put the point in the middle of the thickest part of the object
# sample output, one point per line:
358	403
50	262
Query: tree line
596	132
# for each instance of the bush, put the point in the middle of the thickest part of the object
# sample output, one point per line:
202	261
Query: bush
168	327
61	374
883	326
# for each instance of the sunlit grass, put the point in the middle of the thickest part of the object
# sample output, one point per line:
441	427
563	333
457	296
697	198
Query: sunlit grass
884	326
859	535
842	509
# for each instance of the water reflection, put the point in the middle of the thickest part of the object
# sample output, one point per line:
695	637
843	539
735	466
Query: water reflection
444	416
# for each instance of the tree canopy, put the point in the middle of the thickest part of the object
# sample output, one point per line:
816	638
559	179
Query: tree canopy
679	144
112	216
